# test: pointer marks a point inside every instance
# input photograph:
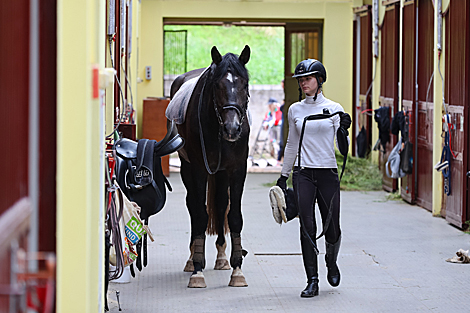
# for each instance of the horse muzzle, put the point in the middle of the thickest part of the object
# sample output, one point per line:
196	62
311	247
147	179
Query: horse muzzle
231	125
232	130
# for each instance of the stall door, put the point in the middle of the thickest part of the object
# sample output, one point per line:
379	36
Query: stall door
457	104
28	88
175	57
417	98
424	120
362	75
302	41
15	207
389	80
409	90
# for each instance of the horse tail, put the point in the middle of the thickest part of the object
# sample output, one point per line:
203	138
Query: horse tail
213	221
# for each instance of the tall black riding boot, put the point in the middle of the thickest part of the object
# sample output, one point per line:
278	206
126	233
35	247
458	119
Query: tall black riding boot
331	256
311	268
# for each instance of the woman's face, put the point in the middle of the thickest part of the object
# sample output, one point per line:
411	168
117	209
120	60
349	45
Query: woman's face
308	84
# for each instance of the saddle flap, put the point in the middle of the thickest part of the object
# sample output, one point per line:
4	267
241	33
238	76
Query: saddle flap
143	174
174	144
171	142
126	148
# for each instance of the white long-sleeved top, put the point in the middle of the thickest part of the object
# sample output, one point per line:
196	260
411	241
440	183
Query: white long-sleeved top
318	149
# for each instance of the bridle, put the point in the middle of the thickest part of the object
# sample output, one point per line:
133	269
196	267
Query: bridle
242	112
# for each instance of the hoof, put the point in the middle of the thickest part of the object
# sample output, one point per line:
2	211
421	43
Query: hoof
197	281
189	266
222	264
237	279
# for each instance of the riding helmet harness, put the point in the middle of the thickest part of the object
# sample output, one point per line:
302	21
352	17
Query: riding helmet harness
310	67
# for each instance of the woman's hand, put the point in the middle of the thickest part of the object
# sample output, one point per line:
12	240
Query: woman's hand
282	182
345	121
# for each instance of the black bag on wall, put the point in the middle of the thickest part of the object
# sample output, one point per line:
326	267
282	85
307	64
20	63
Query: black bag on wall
406	158
361	141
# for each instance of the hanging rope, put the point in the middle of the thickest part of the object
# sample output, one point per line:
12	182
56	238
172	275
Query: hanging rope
445	157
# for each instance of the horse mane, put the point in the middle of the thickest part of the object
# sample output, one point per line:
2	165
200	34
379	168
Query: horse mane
229	63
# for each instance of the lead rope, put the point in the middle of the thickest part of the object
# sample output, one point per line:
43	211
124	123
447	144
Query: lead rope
330	210
445	157
115	215
201	136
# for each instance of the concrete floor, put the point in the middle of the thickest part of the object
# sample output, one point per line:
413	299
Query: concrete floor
392	259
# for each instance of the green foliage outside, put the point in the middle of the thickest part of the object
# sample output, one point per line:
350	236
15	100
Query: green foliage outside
466	227
360	174
266	65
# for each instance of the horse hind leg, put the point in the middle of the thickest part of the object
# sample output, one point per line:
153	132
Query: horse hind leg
217	203
221	263
237	279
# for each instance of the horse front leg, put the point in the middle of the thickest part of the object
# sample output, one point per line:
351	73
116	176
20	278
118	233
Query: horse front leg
195	183
221	201
235	221
197	277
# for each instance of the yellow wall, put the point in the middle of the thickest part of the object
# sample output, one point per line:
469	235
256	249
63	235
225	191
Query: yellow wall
337	44
79	157
337	53
376	76
437	181
150	54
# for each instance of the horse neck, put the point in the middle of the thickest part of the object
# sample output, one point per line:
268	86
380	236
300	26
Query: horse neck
209	121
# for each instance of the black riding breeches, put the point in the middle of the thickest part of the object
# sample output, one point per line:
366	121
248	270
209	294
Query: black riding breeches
319	185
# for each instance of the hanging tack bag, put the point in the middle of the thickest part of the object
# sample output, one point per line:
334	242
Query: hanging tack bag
406	158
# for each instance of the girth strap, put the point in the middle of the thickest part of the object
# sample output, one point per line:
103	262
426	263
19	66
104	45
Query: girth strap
144	167
143	174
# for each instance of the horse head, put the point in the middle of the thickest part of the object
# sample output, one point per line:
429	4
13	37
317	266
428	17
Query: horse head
230	91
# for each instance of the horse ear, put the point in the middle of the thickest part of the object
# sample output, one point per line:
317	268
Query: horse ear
216	57
245	56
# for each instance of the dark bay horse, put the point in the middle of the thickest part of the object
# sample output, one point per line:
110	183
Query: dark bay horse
214	160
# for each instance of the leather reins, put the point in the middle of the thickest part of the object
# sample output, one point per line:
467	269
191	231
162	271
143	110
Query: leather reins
330	208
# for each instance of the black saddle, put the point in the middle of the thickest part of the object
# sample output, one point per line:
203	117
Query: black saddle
139	172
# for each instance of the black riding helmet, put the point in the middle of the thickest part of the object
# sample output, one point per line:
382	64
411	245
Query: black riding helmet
310	67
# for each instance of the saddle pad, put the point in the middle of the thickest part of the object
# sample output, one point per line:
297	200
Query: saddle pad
176	110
